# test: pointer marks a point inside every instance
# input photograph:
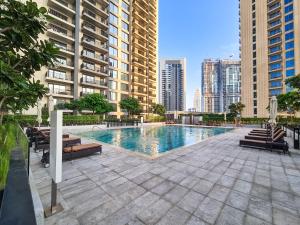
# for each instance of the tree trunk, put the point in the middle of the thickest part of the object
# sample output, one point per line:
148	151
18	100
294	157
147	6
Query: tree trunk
1	112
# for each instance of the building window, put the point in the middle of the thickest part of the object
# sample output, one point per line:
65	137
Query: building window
289	26
275	49
289	36
113	41
125	36
275	57
112	84
113	74
112	96
276	84
125	26
275	92
289	45
290	73
289	17
290	54
287	1
125	56
288	9
290	63
125	16
275	66
125	67
113	30
113	63
124	87
113	8
125	47
113	19
274	75
124	77
113	52
57	74
125	6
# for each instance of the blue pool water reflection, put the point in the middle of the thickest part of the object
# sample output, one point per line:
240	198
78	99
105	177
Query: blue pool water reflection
153	140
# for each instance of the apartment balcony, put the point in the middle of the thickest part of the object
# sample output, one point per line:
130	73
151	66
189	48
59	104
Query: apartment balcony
275	24
140	54
275	51
95	6
60	34
274	33
63	6
274	16
93	83
59	79
95	19
66	66
62	19
139	63
95	32
96	58
61	93
66	51
274	7
273	44
141	82
96	45
98	71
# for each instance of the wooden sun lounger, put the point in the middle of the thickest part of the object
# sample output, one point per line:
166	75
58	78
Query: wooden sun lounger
81	150
276	144
265	137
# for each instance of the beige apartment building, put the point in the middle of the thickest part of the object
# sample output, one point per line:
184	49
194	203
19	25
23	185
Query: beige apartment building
106	46
270	50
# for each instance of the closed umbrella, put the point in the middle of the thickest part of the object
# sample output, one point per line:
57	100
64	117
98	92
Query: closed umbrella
39	113
273	113
50	106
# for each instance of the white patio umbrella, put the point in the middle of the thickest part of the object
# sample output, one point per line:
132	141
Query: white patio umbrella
39	113
273	113
50	107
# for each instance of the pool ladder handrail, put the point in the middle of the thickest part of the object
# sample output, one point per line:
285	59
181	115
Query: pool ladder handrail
97	127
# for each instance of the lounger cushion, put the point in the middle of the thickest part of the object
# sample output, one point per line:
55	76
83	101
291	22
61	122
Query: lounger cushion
81	147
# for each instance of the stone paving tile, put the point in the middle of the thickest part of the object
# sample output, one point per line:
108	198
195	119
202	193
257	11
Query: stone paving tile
176	194
230	216
284	217
226	181
238	200
260	208
219	193
189	182
153	213
174	216
196	221
250	220
191	201
203	187
163	187
261	192
149	184
242	186
209	210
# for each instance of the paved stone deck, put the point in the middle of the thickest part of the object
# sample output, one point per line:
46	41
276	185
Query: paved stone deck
214	182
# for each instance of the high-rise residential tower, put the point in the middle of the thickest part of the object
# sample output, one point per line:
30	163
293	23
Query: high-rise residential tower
106	46
270	50
220	84
172	84
197	100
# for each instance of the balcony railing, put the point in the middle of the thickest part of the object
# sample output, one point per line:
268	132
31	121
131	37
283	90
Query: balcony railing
60	92
95	82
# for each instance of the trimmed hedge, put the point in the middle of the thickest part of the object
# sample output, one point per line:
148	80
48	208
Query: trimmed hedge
68	120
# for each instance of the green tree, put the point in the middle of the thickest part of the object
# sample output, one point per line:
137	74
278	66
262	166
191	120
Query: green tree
131	105
22	54
294	82
158	109
236	109
97	103
75	105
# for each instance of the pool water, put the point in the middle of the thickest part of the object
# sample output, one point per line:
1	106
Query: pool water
154	140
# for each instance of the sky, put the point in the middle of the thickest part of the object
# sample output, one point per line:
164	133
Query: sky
196	30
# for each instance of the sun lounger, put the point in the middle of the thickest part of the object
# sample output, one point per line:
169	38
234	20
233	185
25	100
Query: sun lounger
265	137
82	150
276	144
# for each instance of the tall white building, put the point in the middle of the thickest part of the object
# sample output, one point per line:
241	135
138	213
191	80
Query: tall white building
172	84
197	100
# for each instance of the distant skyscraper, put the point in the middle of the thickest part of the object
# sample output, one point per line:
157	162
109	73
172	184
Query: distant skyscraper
220	84
270	50
172	84
197	100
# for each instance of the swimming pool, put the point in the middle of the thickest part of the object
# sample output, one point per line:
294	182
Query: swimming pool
154	140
